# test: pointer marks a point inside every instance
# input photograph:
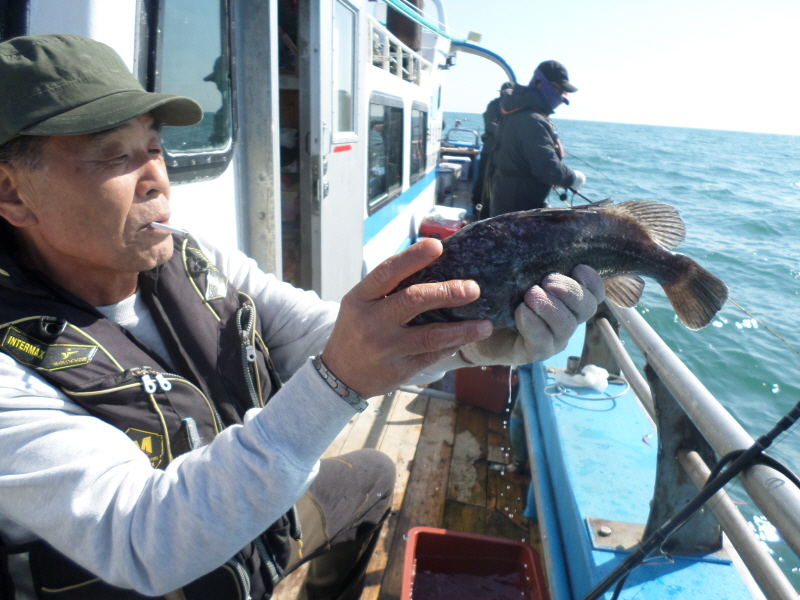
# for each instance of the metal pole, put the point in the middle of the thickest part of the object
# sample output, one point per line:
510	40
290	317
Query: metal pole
631	372
777	497
767	574
257	156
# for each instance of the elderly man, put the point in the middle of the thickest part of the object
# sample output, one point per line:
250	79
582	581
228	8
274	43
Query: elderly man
138	452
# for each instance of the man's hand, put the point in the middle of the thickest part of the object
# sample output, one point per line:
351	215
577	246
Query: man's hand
370	348
545	321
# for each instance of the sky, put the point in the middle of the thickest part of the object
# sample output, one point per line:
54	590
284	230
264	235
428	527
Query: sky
710	64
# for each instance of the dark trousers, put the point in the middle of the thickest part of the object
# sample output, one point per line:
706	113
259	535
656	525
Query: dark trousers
341	516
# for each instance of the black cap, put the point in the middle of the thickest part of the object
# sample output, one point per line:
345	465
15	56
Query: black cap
556	73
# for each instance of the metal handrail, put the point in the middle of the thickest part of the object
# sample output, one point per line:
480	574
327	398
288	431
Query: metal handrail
629	370
762	567
775	496
393	61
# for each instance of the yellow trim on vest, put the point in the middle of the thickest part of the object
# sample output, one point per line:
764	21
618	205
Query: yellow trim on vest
71	326
191	280
98	344
70	587
163	426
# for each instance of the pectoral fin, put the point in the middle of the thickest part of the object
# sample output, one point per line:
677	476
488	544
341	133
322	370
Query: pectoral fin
624	290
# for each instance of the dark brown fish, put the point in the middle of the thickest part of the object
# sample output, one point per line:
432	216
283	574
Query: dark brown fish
508	254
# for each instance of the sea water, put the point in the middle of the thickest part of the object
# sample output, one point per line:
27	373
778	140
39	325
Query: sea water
739	196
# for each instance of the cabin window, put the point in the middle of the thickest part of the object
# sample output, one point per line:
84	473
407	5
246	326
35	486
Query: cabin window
419	141
385	150
344	40
194	60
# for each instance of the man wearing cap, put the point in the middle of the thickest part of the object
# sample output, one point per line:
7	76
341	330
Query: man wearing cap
138	453
491	118
528	155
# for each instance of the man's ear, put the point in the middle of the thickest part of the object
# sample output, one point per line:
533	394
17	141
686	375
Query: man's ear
12	208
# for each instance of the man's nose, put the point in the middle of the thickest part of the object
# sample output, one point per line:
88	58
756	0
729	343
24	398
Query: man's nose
153	179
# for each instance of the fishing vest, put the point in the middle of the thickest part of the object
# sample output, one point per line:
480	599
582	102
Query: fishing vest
223	369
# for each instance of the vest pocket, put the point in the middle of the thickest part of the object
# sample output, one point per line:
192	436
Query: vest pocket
55	577
229	582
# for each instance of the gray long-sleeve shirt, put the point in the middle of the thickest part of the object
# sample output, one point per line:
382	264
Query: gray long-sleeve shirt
82	485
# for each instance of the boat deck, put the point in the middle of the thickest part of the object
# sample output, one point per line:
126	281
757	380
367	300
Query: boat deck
448	457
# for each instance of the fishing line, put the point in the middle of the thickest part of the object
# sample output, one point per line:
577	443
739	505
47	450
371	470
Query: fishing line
592	167
740	307
735	465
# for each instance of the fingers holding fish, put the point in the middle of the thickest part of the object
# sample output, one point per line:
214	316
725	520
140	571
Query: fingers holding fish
385	277
558	291
542	336
591	280
543	319
372	351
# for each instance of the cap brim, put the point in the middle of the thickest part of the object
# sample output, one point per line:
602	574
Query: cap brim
113	110
567	86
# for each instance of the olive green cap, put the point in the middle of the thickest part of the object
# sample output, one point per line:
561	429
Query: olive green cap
71	85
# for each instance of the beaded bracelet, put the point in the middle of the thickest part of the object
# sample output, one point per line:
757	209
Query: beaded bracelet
348	395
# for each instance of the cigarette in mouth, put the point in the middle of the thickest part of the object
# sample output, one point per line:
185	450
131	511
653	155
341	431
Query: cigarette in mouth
172	230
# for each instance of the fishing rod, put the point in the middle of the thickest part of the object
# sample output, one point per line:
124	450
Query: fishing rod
737	461
563	196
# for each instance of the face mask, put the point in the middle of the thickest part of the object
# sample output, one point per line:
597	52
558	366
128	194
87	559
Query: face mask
546	90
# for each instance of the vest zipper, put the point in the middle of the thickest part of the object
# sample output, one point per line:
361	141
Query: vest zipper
266	558
240	576
245	321
150	380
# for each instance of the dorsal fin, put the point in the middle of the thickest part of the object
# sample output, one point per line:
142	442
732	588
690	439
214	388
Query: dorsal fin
661	220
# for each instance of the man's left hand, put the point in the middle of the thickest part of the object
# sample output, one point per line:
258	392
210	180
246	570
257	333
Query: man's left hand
545	320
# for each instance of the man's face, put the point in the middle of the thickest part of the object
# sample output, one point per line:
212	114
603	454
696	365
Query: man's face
93	200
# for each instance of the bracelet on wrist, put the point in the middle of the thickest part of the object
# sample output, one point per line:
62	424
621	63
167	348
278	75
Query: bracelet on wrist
345	393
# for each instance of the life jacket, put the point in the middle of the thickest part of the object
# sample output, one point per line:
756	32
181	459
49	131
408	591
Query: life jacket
223	369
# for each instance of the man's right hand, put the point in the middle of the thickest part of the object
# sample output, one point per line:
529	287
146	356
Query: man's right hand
580	179
372	350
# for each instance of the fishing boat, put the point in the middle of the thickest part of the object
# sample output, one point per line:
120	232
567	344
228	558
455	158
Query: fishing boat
320	155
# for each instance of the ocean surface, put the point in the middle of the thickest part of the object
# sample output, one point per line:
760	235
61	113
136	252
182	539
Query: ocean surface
739	195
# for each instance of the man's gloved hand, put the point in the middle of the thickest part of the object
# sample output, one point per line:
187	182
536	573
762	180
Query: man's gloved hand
545	321
580	179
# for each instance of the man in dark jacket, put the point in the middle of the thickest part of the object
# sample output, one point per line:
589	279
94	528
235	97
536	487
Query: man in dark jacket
491	119
528	154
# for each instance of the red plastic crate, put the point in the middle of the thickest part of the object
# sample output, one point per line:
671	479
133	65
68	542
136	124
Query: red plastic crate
450	565
439	229
485	387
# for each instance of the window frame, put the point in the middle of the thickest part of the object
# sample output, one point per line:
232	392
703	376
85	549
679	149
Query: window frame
382	99
423	108
189	166
13	18
338	137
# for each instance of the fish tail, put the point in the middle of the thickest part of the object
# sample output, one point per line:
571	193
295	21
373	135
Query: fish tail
696	294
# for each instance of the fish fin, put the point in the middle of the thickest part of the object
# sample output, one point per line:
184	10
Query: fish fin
661	220
696	295
624	290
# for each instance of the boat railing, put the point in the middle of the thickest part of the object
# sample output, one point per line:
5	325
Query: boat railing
462	137
392	55
671	392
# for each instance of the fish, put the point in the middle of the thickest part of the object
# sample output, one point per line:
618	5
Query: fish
510	253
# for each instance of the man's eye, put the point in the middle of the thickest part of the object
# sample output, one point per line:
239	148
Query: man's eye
118	160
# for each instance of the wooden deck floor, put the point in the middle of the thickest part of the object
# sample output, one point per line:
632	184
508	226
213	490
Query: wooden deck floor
447	454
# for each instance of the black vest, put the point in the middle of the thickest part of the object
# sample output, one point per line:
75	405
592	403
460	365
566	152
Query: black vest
212	332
